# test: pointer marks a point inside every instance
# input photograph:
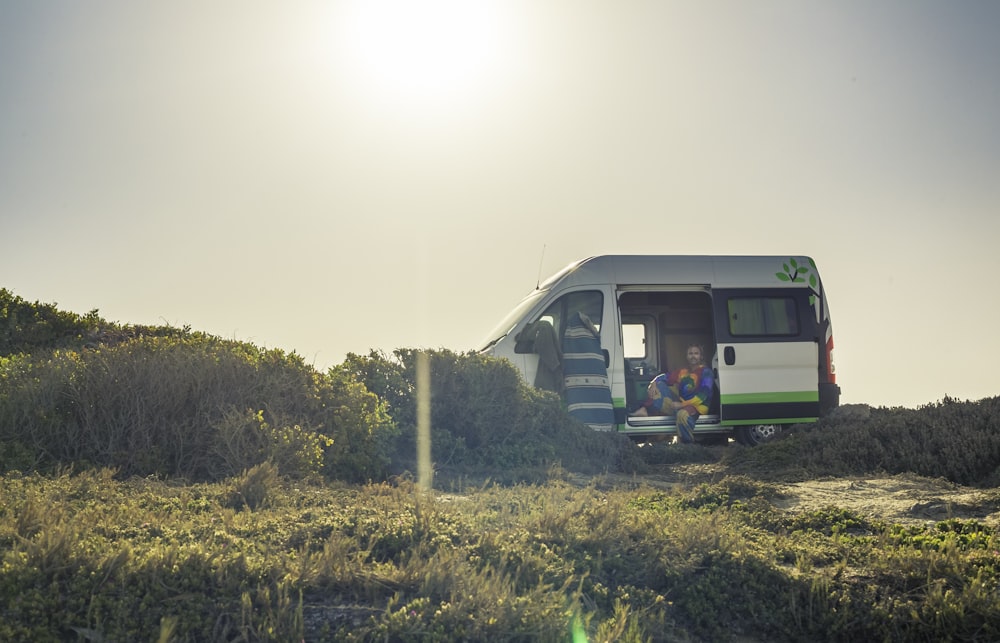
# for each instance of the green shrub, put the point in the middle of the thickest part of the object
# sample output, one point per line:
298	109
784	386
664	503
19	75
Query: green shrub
26	326
359	426
196	407
254	488
958	441
484	418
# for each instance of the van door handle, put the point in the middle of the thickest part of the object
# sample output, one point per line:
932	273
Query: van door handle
607	358
729	354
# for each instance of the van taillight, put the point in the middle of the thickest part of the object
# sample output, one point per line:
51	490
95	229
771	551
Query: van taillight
831	370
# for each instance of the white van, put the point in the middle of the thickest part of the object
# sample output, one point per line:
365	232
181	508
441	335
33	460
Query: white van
764	324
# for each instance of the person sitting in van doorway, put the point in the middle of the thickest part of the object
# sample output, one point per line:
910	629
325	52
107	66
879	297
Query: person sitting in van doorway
685	392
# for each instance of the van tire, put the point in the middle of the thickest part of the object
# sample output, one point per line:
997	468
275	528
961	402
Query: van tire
755	434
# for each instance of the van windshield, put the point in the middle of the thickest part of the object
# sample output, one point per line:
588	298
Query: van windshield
510	320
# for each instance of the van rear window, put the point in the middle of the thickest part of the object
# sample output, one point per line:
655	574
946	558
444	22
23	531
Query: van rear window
763	317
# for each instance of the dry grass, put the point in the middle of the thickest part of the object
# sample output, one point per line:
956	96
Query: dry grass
87	555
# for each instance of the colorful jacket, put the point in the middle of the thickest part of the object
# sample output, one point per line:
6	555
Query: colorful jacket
693	387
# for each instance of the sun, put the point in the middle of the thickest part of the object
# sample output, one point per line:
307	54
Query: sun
427	52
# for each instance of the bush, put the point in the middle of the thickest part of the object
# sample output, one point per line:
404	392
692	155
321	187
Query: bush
361	429
25	326
196	407
484	417
254	488
958	441
33	327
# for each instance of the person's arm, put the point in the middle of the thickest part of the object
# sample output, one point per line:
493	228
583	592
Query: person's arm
706	382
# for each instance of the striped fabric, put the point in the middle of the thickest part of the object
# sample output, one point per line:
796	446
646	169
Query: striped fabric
588	395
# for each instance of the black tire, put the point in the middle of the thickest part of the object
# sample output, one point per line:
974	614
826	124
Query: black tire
755	434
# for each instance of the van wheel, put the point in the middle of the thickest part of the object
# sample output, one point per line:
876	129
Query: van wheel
757	433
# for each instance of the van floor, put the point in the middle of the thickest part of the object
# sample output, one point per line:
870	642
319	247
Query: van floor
669	420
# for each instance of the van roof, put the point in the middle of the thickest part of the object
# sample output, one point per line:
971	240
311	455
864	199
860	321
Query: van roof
714	270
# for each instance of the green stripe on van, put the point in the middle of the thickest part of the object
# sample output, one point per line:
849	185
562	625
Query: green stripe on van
770	398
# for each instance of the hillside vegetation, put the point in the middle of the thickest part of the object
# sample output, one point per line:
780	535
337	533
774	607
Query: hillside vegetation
163	484
79	391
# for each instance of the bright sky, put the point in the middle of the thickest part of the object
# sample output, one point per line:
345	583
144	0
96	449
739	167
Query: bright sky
329	177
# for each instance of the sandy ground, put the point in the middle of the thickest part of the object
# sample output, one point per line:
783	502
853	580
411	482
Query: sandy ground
902	499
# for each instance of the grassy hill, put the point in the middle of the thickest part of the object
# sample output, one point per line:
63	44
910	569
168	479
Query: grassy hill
161	484
80	391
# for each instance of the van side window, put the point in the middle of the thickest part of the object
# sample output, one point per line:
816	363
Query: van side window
589	302
763	316
634	338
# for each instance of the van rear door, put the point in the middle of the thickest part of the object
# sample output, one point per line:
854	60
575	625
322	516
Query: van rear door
768	355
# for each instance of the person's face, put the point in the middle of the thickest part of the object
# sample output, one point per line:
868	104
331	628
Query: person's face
694	356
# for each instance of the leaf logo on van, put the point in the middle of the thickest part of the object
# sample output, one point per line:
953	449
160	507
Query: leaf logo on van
797	273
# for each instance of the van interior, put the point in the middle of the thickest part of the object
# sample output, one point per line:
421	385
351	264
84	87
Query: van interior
657	328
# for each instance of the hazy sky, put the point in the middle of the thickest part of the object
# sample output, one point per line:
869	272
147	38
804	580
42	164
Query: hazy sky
329	177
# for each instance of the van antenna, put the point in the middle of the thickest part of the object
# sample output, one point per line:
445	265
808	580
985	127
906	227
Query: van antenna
538	283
